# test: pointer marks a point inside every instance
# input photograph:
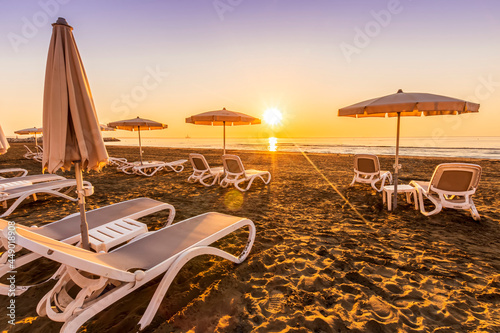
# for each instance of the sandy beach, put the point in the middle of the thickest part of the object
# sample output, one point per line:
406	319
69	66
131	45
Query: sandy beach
327	257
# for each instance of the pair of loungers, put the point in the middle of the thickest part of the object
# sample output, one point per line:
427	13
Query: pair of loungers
451	186
147	168
78	296
20	188
233	171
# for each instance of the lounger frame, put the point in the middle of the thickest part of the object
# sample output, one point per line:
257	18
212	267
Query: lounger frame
113	283
367	171
203	172
236	174
444	194
135	208
148	169
53	188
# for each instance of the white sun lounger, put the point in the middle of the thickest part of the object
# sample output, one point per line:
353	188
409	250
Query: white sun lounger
127	268
31	155
20	172
149	168
67	230
236	173
202	171
52	187
46	177
451	186
117	161
367	171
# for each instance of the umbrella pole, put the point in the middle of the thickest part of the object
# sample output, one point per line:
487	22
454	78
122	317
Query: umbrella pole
224	136
84	228
36	142
140	145
396	166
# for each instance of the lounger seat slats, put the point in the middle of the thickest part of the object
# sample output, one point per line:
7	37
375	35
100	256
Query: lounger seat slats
70	225
33	178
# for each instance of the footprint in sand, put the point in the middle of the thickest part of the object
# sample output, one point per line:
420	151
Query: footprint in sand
276	301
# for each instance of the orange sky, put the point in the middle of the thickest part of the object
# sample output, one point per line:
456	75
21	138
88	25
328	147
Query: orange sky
168	60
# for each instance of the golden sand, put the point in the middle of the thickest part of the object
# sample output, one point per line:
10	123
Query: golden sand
327	257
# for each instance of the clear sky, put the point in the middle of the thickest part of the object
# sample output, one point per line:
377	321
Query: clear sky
168	59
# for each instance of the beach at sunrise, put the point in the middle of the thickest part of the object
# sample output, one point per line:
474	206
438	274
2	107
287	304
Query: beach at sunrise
250	166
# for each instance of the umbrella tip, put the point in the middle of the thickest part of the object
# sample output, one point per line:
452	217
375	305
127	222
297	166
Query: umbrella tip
400	91
62	20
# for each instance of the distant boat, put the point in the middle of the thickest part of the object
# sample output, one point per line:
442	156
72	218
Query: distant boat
188	137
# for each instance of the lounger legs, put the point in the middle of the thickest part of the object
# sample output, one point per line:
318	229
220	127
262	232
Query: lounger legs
180	262
473	211
228	181
439	206
88	303
27	194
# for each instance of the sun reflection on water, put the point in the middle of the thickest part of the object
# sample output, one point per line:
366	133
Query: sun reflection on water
272	143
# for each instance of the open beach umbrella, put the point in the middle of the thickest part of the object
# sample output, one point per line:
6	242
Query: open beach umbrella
71	129
137	124
30	131
407	104
4	145
222	118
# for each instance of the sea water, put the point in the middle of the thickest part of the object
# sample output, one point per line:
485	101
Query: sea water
465	147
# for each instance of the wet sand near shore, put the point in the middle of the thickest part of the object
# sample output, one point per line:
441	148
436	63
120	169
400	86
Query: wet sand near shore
327	257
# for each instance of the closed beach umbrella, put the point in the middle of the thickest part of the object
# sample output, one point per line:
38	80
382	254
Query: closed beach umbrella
407	104
4	145
138	124
71	129
30	131
222	118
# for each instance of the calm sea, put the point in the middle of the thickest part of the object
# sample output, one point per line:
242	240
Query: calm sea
472	147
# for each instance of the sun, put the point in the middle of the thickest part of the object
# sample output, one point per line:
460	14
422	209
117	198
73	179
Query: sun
272	116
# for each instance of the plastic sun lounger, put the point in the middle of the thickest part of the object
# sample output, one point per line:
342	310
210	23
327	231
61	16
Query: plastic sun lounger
150	168
451	186
367	171
202	171
236	173
117	161
67	229
30	155
127	268
20	172
31	179
53	188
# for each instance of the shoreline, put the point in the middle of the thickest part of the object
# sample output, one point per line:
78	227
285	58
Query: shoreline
327	257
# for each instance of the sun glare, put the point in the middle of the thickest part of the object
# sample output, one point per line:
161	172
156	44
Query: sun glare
272	116
273	144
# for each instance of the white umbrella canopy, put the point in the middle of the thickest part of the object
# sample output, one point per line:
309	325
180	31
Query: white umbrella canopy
4	145
30	131
222	118
136	124
71	128
407	104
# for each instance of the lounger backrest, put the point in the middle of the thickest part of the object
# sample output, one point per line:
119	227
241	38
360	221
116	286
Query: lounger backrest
366	163
233	164
69	254
456	177
28	149
198	162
